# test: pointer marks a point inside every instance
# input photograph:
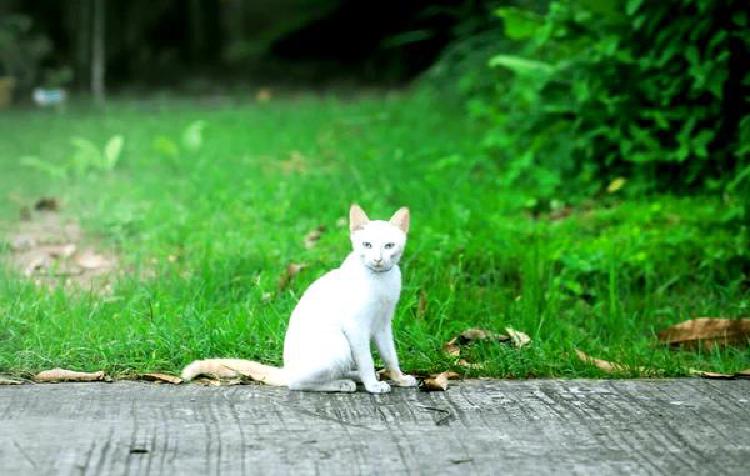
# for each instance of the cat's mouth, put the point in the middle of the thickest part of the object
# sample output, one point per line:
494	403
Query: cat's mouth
379	269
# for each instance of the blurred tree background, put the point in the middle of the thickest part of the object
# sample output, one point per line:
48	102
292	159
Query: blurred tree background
576	95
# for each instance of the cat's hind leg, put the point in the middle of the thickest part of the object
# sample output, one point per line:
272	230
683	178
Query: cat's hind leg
353	375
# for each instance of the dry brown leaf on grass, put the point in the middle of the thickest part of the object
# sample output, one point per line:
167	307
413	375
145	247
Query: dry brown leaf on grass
451	348
709	331
289	273
469	365
263	95
519	338
91	260
160	378
612	367
512	336
604	365
312	236
46	204
296	163
64	375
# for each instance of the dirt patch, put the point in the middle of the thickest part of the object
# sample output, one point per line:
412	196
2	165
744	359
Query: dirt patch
51	250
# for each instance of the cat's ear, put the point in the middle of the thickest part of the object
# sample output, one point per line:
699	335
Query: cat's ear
400	219
357	218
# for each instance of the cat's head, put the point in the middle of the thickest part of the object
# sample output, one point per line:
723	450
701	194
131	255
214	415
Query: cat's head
378	243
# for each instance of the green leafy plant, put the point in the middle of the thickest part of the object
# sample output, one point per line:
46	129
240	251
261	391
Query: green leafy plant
86	158
592	90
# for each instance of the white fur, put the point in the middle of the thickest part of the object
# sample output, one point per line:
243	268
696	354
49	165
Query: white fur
327	343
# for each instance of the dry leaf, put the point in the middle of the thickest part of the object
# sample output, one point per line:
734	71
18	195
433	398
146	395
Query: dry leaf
312	236
604	365
161	378
470	335
12	381
289	273
709	331
263	95
296	163
61	251
46	204
519	338
467	364
451	348
437	382
63	375
717	376
90	260
616	184
341	222
422	304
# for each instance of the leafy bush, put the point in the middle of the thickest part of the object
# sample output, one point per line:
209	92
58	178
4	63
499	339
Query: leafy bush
657	91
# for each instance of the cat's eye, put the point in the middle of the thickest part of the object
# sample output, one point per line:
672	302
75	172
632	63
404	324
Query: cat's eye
389	246
367	244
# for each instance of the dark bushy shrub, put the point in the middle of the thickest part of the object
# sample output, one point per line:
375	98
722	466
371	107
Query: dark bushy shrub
654	91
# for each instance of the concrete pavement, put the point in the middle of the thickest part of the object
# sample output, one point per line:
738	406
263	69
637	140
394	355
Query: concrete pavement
688	426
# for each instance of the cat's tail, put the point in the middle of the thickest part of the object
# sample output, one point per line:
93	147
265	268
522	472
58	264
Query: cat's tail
230	368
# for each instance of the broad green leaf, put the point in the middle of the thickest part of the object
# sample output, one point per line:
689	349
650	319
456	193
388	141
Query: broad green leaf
192	136
522	66
519	23
112	151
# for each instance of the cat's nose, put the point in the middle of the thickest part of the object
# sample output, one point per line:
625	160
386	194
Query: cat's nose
378	260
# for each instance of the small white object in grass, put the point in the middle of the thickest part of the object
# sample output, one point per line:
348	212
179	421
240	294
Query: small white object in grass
49	97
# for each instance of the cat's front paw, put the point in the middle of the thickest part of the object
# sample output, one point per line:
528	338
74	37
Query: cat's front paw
378	387
406	381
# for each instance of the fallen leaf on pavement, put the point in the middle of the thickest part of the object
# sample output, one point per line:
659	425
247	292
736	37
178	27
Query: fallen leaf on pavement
519	338
742	374
312	236
438	382
709	331
161	378
63	375
717	376
12	381
289	273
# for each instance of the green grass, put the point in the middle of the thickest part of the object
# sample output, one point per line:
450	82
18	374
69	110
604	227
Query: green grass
234	213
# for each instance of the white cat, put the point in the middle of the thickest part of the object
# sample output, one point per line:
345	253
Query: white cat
327	344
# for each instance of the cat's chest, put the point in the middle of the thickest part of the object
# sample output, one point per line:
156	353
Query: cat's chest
379	292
